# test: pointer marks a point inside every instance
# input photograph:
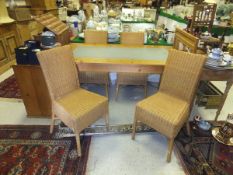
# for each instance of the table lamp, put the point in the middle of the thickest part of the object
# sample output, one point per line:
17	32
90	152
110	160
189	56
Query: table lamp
4	18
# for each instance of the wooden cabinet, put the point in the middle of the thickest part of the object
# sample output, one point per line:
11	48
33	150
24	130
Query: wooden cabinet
11	43
23	31
34	90
4	57
8	42
43	4
36	11
27	29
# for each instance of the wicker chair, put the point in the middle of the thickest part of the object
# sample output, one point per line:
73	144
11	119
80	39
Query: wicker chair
95	37
132	38
168	109
76	107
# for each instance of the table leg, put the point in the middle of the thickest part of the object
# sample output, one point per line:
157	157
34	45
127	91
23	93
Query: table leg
160	78
228	87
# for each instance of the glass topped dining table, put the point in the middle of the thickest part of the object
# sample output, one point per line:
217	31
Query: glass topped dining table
120	58
144	59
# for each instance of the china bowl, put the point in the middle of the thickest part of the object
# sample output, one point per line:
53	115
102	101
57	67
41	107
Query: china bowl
215	57
217	51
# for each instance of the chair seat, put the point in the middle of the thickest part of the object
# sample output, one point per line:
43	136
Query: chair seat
163	112
82	106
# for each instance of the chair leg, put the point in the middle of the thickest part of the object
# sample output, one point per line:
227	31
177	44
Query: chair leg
78	144
117	91
134	128
52	123
107	120
170	148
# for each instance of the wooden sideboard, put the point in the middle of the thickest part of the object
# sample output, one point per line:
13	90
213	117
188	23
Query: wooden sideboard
26	30
34	90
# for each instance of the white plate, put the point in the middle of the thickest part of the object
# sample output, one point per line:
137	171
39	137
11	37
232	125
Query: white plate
223	64
227	58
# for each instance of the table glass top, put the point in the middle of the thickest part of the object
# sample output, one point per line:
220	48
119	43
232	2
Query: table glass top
132	53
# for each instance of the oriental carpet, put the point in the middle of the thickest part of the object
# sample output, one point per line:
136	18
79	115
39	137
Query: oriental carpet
32	150
201	154
9	88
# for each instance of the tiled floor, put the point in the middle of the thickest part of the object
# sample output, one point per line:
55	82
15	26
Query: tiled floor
118	154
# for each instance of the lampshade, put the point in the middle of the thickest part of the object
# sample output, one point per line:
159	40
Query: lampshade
4	18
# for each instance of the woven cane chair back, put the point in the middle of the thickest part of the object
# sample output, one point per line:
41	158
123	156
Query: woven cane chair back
62	78
181	74
96	37
132	38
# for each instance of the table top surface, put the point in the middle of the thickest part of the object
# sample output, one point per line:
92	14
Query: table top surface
125	54
89	53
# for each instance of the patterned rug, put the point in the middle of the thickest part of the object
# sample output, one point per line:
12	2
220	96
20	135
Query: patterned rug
9	88
32	150
201	154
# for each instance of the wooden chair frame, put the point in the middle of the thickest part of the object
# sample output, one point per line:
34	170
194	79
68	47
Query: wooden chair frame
203	16
188	41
